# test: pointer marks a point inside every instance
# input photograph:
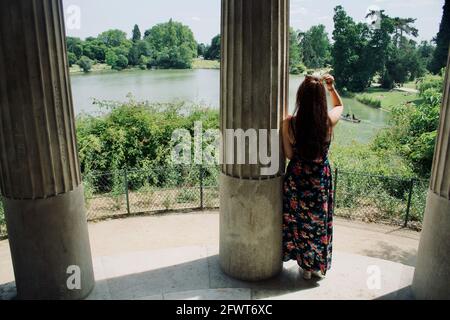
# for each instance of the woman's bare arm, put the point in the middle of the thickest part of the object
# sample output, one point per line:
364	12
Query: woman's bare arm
338	106
287	144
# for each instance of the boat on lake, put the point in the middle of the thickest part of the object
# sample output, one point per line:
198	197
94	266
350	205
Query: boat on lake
350	118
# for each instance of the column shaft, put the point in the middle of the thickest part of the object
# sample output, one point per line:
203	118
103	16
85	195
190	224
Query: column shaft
40	177
254	89
432	275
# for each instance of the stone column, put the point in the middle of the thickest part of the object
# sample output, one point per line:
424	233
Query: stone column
254	91
40	176
432	276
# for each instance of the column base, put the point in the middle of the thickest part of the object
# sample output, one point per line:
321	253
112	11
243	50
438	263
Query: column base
47	237
251	228
432	275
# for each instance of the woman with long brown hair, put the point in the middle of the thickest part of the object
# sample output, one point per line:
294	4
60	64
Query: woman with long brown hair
308	185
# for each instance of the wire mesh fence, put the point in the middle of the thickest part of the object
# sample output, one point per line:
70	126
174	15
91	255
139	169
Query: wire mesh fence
382	199
370	198
137	191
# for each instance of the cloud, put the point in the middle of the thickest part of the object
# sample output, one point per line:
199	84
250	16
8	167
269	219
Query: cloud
196	18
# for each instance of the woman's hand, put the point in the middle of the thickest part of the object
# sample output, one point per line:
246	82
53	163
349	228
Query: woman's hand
329	81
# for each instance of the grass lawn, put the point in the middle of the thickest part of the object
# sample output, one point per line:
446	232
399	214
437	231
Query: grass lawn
410	85
391	98
205	64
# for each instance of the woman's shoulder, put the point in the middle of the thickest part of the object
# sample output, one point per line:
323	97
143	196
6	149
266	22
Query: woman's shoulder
288	129
289	119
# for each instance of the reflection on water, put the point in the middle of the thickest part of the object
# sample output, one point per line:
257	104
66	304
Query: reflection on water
199	86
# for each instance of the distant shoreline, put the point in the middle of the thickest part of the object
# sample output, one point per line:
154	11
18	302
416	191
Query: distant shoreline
104	68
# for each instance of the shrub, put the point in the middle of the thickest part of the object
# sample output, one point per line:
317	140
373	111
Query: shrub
85	64
368	100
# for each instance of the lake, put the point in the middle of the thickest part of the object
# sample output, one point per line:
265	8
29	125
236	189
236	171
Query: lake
202	87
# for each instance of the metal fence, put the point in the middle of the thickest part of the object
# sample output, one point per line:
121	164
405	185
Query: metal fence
382	199
370	198
133	192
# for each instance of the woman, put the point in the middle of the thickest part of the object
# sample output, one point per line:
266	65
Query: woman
308	187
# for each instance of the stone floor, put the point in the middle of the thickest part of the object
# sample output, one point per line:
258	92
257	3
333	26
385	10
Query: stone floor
176	257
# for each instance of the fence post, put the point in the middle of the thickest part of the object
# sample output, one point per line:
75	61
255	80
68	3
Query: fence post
127	196
408	208
336	174
202	205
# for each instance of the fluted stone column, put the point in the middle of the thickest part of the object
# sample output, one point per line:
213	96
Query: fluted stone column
432	275
254	90
40	176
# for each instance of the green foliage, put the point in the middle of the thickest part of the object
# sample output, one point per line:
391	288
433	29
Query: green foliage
139	49
72	58
94	49
403	64
136	33
121	63
113	38
172	45
360	52
315	47
442	40
351	63
368	100
299	68
201	50
413	128
167	45
135	134
143	62
111	58
75	45
187	195
212	52
85	64
363	158
295	57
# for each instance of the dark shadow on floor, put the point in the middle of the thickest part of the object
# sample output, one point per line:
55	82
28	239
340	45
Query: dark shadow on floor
402	294
392	253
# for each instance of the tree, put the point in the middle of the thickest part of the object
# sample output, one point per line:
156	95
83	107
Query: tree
72	58
404	26
201	50
399	60
295	57
352	64
111	58
94	49
413	129
213	51
315	47
442	41
113	38
143	62
85	64
426	53
138	49
172	45
121	62
136	33
75	45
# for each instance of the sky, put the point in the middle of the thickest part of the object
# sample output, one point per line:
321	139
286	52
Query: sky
86	18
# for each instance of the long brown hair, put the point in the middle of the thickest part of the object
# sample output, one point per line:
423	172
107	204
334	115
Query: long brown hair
312	123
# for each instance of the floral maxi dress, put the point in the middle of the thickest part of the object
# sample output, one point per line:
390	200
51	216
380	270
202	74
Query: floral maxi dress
308	214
